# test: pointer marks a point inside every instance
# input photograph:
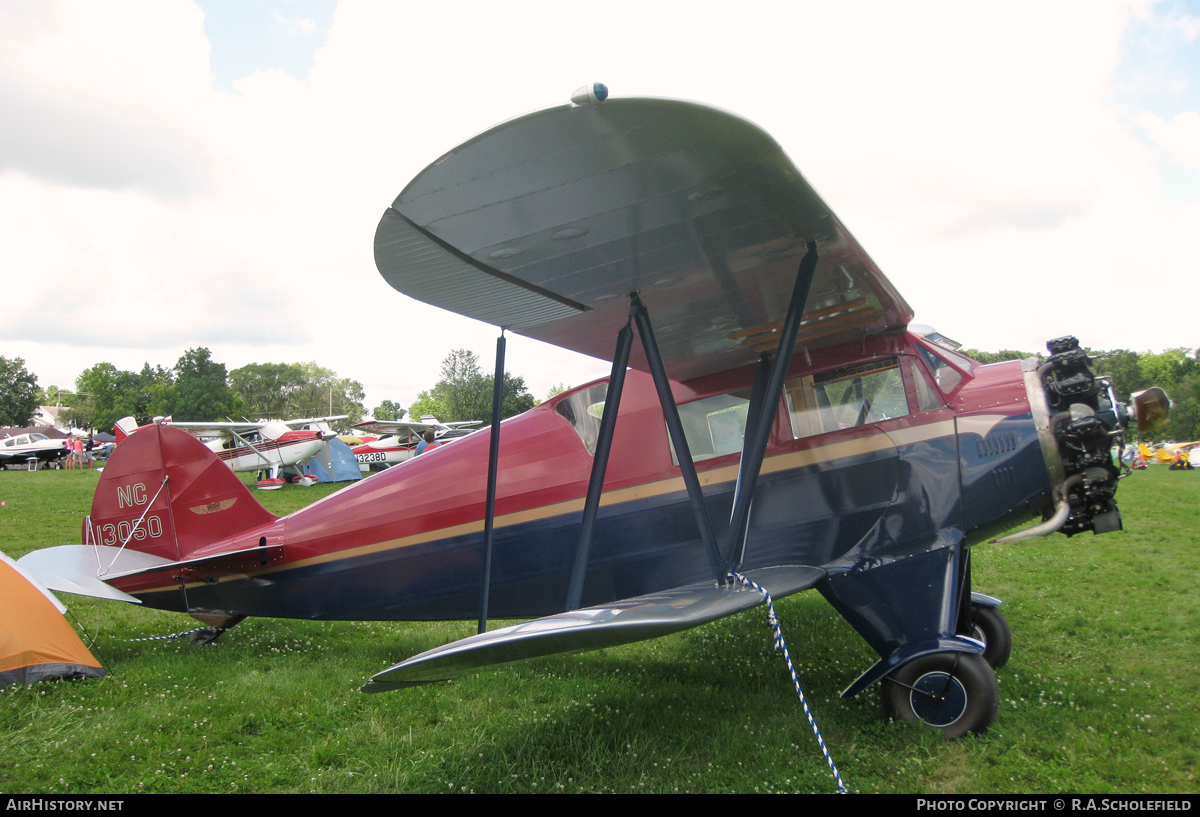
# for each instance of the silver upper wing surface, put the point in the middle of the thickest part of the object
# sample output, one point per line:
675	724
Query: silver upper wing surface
545	223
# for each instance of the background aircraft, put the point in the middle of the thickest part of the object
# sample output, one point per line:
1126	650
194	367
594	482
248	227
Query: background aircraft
401	437
776	421
1166	452
268	446
18	449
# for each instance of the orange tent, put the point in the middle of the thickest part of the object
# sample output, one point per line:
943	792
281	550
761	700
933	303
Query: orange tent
36	642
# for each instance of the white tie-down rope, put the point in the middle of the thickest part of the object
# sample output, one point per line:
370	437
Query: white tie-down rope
780	644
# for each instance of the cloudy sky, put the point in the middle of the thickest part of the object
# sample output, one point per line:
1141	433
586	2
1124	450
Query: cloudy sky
179	173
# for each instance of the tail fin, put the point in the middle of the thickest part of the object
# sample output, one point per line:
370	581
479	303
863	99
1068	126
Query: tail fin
124	427
166	493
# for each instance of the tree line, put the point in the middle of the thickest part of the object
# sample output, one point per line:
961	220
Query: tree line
200	389
196	389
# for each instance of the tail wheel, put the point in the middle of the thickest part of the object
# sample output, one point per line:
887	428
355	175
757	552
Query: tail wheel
952	692
991	627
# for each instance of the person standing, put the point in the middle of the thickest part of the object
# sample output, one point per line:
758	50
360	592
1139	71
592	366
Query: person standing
426	443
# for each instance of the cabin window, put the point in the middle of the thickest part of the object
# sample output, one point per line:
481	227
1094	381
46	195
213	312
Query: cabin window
583	411
846	398
927	399
714	426
804	423
947	376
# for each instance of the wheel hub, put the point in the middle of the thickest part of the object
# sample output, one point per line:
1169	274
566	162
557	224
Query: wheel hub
938	698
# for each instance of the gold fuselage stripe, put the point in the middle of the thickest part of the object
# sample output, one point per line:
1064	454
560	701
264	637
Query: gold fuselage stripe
791	460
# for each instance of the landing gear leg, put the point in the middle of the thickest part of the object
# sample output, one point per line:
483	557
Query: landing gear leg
218	623
952	692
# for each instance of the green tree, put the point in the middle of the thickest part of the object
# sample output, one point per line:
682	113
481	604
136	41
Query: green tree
201	391
1168	368
19	393
325	393
557	389
1124	367
387	410
268	390
465	392
517	399
156	396
995	357
280	391
425	405
103	395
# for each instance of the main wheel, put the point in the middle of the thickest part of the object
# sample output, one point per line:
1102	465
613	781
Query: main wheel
991	627
952	692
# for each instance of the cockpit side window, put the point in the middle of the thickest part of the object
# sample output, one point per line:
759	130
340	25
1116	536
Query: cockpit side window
583	411
948	377
927	399
846	398
714	426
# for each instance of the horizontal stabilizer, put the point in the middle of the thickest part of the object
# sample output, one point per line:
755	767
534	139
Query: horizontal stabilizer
593	628
78	568
74	568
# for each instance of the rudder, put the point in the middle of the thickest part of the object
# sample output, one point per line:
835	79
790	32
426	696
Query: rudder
165	492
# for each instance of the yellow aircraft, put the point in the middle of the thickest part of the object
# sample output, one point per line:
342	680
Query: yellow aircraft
1165	453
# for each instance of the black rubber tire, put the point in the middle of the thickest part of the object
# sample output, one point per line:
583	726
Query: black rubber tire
991	627
971	693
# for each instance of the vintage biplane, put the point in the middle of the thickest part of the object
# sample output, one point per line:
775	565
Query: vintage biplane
400	437
775	420
268	446
1166	452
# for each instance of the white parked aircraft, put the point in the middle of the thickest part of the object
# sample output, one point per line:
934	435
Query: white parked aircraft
17	450
264	446
400	438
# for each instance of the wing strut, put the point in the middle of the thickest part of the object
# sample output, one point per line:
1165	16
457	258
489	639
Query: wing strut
760	417
608	421
489	517
675	427
764	401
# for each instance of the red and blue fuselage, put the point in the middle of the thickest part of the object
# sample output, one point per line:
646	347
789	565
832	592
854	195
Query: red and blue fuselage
880	468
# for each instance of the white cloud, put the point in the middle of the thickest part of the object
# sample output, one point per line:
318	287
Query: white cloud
1180	137
92	101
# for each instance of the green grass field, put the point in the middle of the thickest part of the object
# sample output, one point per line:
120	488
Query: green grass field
1100	694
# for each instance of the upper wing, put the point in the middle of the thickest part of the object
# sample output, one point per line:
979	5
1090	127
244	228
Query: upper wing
392	426
545	223
305	421
200	429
